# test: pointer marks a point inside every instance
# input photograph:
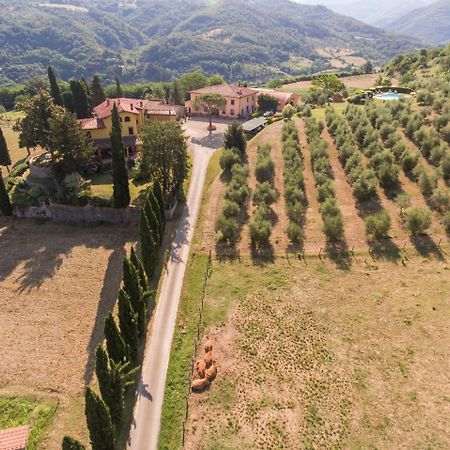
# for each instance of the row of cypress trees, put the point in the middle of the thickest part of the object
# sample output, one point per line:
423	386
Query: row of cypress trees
116	365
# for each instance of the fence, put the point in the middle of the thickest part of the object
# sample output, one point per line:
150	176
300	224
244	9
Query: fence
197	338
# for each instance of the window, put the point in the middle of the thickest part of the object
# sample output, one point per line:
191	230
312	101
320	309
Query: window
120	118
127	119
248	98
137	122
232	112
131	130
232	102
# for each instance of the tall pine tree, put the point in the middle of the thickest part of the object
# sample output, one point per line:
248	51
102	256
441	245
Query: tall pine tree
137	263
128	321
151	212
71	444
119	90
117	349
99	422
5	159
149	250
5	203
55	91
80	99
158	193
97	92
121	189
132	287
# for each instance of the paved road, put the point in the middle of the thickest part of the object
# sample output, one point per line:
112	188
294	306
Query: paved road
147	414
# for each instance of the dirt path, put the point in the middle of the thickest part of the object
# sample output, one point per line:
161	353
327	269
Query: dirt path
147	413
314	237
355	229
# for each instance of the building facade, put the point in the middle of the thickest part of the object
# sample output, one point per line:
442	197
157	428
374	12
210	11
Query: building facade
132	114
241	101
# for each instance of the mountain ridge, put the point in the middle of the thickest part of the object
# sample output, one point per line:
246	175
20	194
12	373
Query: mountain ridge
151	40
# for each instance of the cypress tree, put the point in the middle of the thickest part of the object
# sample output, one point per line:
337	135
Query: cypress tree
158	193
119	90
5	203
80	99
157	210
99	422
121	189
71	444
117	393
103	375
88	92
5	159
128	324
117	349
68	101
54	87
137	263
97	93
132	287
148	246
152	219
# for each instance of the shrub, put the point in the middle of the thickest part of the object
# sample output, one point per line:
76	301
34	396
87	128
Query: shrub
229	158
260	227
329	207
264	193
333	227
445	167
227	227
288	111
378	224
436	154
265	169
237	193
231	209
418	220
388	174
325	191
365	186
74	190
294	232
100	202
294	211
440	200
446	222
427	184
409	160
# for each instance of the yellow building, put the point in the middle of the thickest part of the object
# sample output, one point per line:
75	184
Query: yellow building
132	113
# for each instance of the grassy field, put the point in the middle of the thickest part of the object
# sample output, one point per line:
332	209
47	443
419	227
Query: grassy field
342	351
12	137
57	282
17	411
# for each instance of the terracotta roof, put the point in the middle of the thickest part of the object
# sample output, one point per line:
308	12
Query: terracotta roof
227	90
132	106
283	97
14	438
93	123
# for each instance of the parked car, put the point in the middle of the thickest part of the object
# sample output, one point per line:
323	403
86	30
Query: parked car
268	114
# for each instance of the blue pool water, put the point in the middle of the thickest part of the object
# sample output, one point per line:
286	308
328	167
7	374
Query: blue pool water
388	96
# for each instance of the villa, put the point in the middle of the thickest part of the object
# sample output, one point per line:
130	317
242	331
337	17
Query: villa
241	101
132	113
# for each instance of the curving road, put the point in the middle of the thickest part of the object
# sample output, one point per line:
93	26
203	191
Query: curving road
147	413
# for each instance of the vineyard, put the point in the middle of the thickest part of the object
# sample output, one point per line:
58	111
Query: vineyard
375	176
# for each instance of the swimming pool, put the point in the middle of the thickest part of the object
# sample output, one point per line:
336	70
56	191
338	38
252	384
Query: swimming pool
389	96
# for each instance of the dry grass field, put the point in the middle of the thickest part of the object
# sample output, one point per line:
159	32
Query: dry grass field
57	282
317	357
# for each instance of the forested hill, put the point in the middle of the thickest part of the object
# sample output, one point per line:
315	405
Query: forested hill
152	40
431	23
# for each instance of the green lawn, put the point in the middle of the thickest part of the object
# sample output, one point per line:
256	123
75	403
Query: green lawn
17	411
319	113
102	185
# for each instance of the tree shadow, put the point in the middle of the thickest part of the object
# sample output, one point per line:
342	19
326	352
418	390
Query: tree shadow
263	255
426	247
108	297
385	249
339	253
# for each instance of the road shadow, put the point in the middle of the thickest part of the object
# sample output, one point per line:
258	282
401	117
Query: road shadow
215	140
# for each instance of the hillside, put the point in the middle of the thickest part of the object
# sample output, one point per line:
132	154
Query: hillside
430	23
156	40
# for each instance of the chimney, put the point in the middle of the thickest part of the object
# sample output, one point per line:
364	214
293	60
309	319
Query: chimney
107	102
131	106
142	103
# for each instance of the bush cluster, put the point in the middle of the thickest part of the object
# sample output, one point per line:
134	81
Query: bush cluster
333	224
363	181
233	163
293	181
265	194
